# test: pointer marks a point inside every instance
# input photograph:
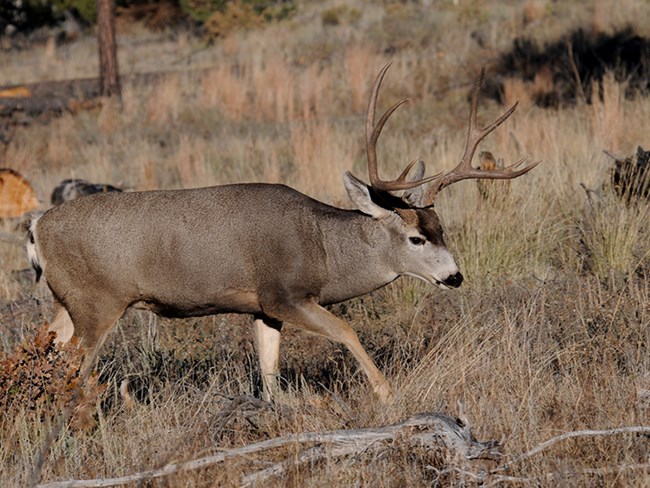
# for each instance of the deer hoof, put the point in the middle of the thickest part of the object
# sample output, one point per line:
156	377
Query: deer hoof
385	394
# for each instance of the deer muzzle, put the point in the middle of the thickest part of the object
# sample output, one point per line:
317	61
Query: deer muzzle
453	281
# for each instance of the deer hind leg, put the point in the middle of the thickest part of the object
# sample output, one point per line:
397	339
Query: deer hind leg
267	342
92	321
61	324
310	316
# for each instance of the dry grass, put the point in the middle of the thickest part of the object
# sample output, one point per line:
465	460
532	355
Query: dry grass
549	333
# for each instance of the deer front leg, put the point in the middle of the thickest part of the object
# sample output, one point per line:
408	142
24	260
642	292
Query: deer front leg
267	342
310	316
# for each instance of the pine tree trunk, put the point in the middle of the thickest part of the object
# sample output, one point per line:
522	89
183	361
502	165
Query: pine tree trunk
108	70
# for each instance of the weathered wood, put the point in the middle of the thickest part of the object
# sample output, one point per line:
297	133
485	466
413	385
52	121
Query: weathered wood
636	429
49	98
430	430
33	106
69	88
52	98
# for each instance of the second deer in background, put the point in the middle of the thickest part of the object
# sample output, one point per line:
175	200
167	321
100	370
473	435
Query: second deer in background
74	188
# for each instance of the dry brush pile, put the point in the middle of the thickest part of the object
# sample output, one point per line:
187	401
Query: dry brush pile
548	335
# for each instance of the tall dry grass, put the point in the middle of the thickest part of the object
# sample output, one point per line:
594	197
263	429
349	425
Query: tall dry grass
323	152
549	333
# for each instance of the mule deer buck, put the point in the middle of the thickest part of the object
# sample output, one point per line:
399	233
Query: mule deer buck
260	249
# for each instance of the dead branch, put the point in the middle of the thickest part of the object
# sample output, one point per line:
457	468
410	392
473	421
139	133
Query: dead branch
637	429
498	480
618	469
495	477
311	455
431	431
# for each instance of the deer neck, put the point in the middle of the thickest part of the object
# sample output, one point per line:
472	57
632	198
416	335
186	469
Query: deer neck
357	258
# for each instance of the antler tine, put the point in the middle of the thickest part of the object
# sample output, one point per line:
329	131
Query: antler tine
475	135
372	136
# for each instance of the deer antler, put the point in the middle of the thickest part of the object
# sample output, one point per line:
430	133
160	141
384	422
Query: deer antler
372	135
475	135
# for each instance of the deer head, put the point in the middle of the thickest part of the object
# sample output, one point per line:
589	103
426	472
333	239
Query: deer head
410	220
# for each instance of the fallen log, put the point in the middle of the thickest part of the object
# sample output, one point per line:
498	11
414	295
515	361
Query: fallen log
52	98
431	431
48	97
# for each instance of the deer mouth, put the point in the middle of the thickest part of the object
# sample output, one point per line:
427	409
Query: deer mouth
451	281
440	284
432	280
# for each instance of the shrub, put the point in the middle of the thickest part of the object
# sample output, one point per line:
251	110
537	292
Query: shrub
43	379
201	10
236	16
341	14
224	16
87	9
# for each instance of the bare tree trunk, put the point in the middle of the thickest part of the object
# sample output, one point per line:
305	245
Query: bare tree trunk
108	70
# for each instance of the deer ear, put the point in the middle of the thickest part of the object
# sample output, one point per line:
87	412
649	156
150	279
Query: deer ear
360	196
415	196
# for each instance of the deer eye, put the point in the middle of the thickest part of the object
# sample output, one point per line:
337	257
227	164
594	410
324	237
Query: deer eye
418	241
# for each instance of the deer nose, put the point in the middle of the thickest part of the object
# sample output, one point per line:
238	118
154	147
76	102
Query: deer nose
454	280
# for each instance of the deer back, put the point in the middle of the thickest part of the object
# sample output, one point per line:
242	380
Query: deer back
222	248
